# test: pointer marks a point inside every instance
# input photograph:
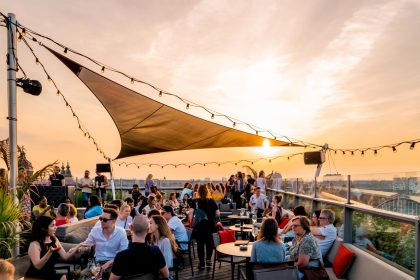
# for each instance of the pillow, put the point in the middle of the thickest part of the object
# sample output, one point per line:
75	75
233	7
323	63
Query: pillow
226	236
284	221
343	261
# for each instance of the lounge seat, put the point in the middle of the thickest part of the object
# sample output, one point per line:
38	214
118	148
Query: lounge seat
75	232
366	266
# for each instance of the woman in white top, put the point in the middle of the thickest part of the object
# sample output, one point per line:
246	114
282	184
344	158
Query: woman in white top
262	181
124	219
161	236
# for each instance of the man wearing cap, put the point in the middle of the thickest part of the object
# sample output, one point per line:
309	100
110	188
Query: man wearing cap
178	229
126	263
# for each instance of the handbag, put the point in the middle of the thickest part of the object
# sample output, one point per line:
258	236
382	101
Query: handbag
199	216
315	273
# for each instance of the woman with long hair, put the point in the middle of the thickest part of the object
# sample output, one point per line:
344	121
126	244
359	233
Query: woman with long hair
124	219
161	236
148	184
217	194
45	249
276	211
94	207
268	248
238	189
205	227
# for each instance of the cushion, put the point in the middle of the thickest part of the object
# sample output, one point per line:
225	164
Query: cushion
343	261
226	236
284	222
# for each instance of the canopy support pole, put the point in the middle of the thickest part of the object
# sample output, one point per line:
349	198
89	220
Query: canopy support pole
112	180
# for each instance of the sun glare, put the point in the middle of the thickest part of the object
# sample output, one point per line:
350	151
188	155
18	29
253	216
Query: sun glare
266	143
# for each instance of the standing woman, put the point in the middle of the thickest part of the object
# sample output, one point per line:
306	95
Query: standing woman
262	181
276	211
148	184
238	189
161	236
205	228
45	249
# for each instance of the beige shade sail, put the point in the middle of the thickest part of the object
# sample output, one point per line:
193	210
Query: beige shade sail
147	126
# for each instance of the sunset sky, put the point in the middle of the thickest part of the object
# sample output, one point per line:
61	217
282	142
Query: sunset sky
346	73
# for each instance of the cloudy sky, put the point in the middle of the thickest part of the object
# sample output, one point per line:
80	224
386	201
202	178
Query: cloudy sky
346	73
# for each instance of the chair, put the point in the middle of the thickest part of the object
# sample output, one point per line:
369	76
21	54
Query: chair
267	271
222	258
190	244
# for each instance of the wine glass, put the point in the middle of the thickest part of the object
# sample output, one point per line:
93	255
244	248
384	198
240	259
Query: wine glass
254	232
254	218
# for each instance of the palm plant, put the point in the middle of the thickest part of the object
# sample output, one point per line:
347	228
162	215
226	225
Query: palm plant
10	215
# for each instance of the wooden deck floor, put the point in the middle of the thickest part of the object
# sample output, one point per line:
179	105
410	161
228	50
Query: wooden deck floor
222	272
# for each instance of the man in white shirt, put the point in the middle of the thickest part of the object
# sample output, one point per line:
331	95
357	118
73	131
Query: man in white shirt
176	226
326	233
86	183
258	202
108	239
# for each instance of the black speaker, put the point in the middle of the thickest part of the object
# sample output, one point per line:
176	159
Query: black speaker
103	167
314	157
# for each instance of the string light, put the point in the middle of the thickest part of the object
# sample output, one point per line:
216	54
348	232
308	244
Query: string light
23	32
352	153
375	152
20	37
412	145
59	93
188	106
212	116
394	149
362	153
65	50
132	80
32	34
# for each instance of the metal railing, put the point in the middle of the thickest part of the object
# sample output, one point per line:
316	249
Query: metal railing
297	192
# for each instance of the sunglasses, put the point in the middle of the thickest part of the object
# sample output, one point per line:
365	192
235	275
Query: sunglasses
104	219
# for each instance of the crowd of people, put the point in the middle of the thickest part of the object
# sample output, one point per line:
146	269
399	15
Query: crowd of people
156	228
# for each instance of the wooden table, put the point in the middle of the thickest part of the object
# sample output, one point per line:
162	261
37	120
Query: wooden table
245	228
240	218
234	251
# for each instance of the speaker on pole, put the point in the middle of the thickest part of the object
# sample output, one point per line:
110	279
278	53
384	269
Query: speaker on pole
103	167
314	157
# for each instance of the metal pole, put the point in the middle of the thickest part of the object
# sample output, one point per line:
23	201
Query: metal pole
112	181
11	90
417	252
348	189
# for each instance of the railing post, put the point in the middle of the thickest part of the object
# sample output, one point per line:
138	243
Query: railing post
417	252
296	200
348	216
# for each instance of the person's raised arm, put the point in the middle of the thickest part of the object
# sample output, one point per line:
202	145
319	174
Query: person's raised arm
67	255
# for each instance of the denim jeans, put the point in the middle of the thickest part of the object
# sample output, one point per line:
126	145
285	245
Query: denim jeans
85	198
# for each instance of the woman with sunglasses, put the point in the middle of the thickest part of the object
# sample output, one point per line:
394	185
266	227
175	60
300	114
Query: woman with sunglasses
45	250
304	251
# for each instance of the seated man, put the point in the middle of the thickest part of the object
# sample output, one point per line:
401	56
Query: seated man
108	239
127	262
326	233
177	227
43	209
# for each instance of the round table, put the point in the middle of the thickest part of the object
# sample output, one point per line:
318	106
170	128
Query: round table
245	228
232	250
240	218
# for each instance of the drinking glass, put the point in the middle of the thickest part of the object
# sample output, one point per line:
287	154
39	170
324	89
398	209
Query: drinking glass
242	212
254	231
254	218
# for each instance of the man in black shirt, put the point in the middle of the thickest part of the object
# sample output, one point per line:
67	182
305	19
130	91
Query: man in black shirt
139	258
56	179
101	183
